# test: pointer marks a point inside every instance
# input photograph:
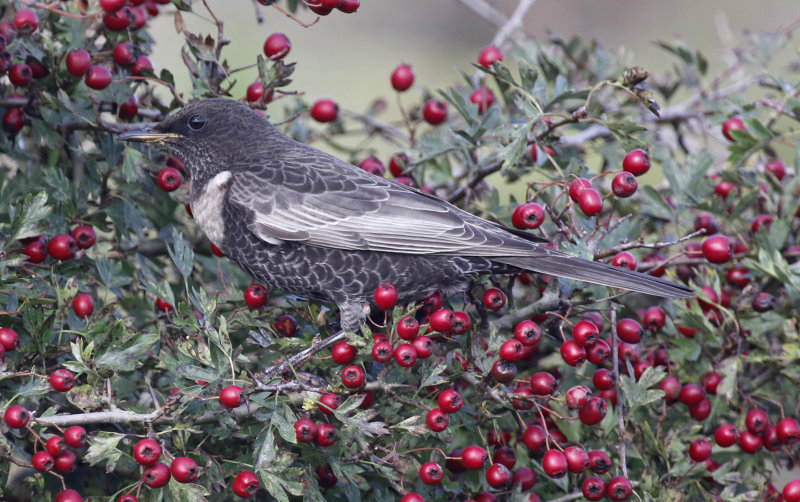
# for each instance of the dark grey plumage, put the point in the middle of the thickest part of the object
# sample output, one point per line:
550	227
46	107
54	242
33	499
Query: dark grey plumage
310	224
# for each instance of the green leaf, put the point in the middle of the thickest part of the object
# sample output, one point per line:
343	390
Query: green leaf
283	419
433	376
103	447
187	491
128	356
638	393
181	253
273	485
511	153
528	75
25	219
264	448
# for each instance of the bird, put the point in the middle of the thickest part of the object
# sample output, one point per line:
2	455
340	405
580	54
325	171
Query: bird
310	224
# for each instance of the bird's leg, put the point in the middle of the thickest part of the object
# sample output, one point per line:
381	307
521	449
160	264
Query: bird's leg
478	304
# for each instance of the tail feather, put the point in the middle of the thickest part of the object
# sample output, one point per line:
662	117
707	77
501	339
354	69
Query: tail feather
563	265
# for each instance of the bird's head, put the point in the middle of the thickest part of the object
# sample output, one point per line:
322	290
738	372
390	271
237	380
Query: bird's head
205	134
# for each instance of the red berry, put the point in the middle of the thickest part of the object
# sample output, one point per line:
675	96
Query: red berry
112	5
26	21
129	109
246	484
489	55
65	463
756	420
593	488
590	201
55	446
423	347
124	54
68	495
285	325
732	124
326	435
217	251
624	259
474	457
325	110
636	162
442	321
353	377
710	381
373	165
169	179
629	330
397	166
386	296
776	168
277	46
718	249
788	430
585	333
383	352
572	353
534	438
9	339
522	391
525	477
232	396
97	77
83	305
527	216
494	299
498	476
749	442
62	247
62	380
691	394
437	420
349	6
603	379
255	296
543	383
624	184
20	74
142	66
450	401
84	236
577	459
128	498
577	186
431	473
528	333
147	452
256	91
738	277
482	97
726	435
75	436
42	461
13	120
578	396
512	350
791	492
305	430
599	463
163	306
156	475
184	470
17	416
343	352
594	412
554	464
402	78
434	112
411	496
618	488
329	402
461	323
700	450
763	302
408	328
701	410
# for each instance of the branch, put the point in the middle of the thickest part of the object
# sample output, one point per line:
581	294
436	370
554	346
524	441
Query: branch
476	178
620	411
304	355
639	243
550	300
513	23
486	11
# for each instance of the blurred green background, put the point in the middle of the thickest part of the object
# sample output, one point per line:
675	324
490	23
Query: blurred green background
349	57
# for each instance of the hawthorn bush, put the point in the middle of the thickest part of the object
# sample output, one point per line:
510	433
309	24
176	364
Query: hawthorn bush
139	364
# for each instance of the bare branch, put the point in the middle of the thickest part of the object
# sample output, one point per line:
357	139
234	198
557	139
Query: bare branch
513	23
486	11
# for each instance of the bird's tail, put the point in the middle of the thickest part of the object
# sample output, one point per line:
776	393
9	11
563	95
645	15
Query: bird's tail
562	265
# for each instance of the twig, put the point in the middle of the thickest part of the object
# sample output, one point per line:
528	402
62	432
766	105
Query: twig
620	411
550	300
639	243
486	11
476	178
513	23
302	356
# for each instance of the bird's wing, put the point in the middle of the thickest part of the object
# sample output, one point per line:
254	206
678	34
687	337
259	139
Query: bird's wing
322	201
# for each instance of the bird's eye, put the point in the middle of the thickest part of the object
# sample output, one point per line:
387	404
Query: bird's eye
197	122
